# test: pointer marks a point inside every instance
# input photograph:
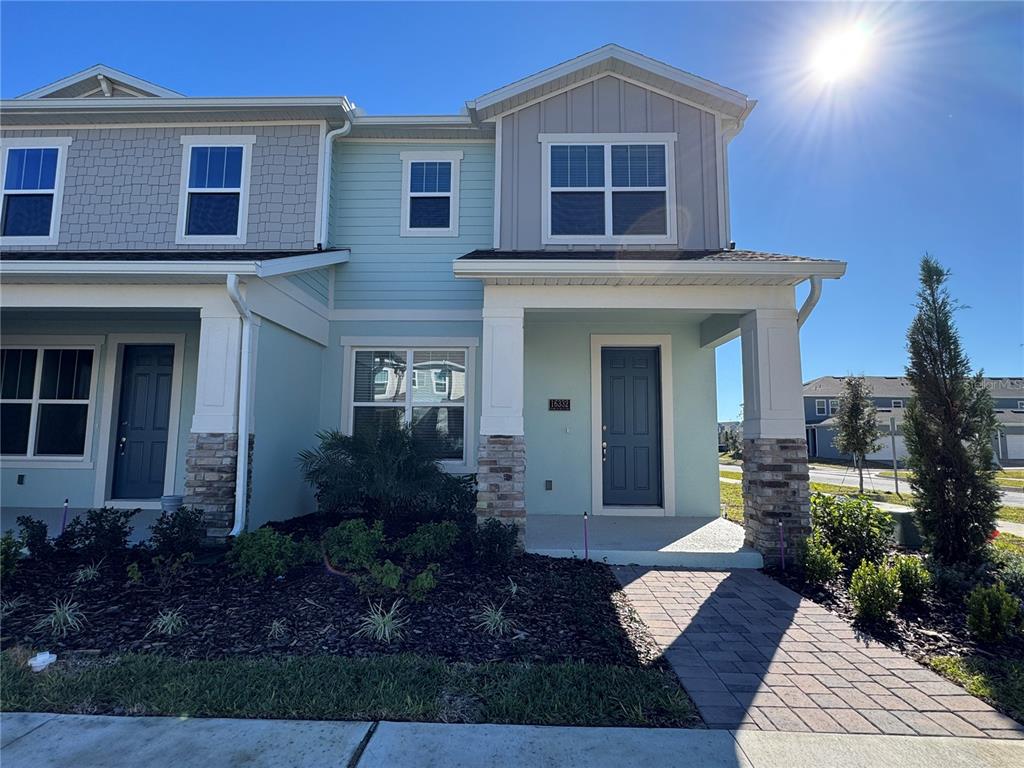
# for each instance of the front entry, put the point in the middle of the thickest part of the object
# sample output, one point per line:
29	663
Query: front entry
631	455
140	454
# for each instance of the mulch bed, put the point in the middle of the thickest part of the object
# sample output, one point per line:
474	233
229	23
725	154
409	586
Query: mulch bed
563	609
937	627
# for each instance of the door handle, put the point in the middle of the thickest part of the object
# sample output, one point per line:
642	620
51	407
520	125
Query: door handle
604	451
121	444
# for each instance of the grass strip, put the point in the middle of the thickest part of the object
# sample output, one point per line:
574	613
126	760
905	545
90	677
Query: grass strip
999	681
400	687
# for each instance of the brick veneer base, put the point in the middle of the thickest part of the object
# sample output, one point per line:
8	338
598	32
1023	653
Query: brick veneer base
210	466
501	480
776	488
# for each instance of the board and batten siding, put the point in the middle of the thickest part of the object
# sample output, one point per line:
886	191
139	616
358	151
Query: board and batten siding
385	270
609	105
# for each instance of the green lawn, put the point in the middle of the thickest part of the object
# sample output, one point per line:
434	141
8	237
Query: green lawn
1008	478
338	688
1010	543
999	681
732	498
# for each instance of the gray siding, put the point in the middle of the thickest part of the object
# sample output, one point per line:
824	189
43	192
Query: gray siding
609	105
122	185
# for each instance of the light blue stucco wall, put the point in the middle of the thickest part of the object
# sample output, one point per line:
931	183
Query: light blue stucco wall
46	488
558	444
386	270
286	417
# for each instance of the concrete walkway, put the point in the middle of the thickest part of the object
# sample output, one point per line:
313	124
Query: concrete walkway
87	741
752	653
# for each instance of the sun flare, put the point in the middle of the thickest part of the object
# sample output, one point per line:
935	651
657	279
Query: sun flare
841	54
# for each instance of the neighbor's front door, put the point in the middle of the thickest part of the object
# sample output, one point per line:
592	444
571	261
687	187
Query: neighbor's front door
140	454
631	426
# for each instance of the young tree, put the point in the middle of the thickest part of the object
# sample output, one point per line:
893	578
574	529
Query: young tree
857	431
948	429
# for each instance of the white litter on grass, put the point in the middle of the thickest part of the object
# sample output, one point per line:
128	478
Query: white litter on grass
42	660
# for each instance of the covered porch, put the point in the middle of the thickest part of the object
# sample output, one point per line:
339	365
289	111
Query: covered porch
599	397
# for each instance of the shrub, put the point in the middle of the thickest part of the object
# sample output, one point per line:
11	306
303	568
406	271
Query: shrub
950	580
1011	572
495	542
65	616
134	573
914	579
381	625
819	561
169	570
10	551
262	553
424	583
992	613
855	528
384	576
875	592
33	536
387	474
353	544
177	533
431	542
101	533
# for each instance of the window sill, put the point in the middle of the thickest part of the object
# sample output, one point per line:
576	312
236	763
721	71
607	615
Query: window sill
147	504
602	240
28	240
406	232
210	240
47	462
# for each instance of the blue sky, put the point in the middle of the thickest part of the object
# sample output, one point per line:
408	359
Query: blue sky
922	151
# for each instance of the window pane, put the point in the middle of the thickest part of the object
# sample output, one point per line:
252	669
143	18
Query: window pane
443	376
233	167
379	376
577	213
429	213
430	177
560	166
213	213
18	373
26	215
61	430
620	165
66	374
638	165
579	165
14	419
215	168
444	177
34	168
416	174
370	420
15	168
656	165
638	213
441	430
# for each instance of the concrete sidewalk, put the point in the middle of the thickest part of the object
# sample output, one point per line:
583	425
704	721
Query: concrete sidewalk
88	741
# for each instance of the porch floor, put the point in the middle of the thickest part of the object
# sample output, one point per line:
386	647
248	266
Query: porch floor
691	542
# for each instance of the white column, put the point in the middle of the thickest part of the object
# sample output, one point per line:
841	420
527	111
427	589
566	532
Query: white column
772	384
217	379
501	412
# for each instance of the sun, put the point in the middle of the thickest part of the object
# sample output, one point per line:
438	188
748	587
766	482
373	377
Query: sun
841	54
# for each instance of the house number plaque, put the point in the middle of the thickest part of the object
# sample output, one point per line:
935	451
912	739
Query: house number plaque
556	404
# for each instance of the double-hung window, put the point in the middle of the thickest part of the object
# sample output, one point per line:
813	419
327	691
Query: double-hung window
33	182
422	388
214	201
897	403
833	407
601	189
430	194
45	401
820	408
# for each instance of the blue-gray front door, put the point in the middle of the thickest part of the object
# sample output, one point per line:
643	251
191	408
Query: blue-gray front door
140	455
631	426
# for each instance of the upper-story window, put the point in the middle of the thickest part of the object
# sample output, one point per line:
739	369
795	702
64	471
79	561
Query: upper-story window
603	189
33	185
833	407
820	408
214	202
430	194
897	403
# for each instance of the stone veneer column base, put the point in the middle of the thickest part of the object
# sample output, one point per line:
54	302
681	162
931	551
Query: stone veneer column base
501	480
776	488
210	472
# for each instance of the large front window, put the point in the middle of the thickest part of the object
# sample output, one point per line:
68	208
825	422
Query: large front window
608	192
423	388
44	401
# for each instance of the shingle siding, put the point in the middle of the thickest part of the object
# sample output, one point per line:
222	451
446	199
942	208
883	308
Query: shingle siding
122	187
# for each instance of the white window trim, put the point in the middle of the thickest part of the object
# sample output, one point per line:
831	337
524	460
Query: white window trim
833	407
467	345
821	407
222	140
1020	405
668	140
41	343
61	144
897	403
424	156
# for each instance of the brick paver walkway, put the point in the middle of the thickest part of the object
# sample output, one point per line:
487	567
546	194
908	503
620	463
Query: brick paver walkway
753	654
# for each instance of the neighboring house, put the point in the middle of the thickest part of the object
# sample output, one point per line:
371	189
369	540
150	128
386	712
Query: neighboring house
536	285
890	394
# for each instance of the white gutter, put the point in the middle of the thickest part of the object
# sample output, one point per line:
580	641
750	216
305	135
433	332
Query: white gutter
810	302
244	374
483	269
325	203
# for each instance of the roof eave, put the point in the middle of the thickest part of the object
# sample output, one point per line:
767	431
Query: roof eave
557	268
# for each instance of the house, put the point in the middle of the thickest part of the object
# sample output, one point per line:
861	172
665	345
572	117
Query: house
536	285
890	395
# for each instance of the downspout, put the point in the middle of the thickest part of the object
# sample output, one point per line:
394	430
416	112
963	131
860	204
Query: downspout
244	374
810	302
325	202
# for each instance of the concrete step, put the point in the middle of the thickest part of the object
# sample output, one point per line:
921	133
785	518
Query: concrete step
714	561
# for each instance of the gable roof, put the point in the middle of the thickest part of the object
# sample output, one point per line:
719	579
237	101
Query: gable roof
899	387
616	60
100	80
